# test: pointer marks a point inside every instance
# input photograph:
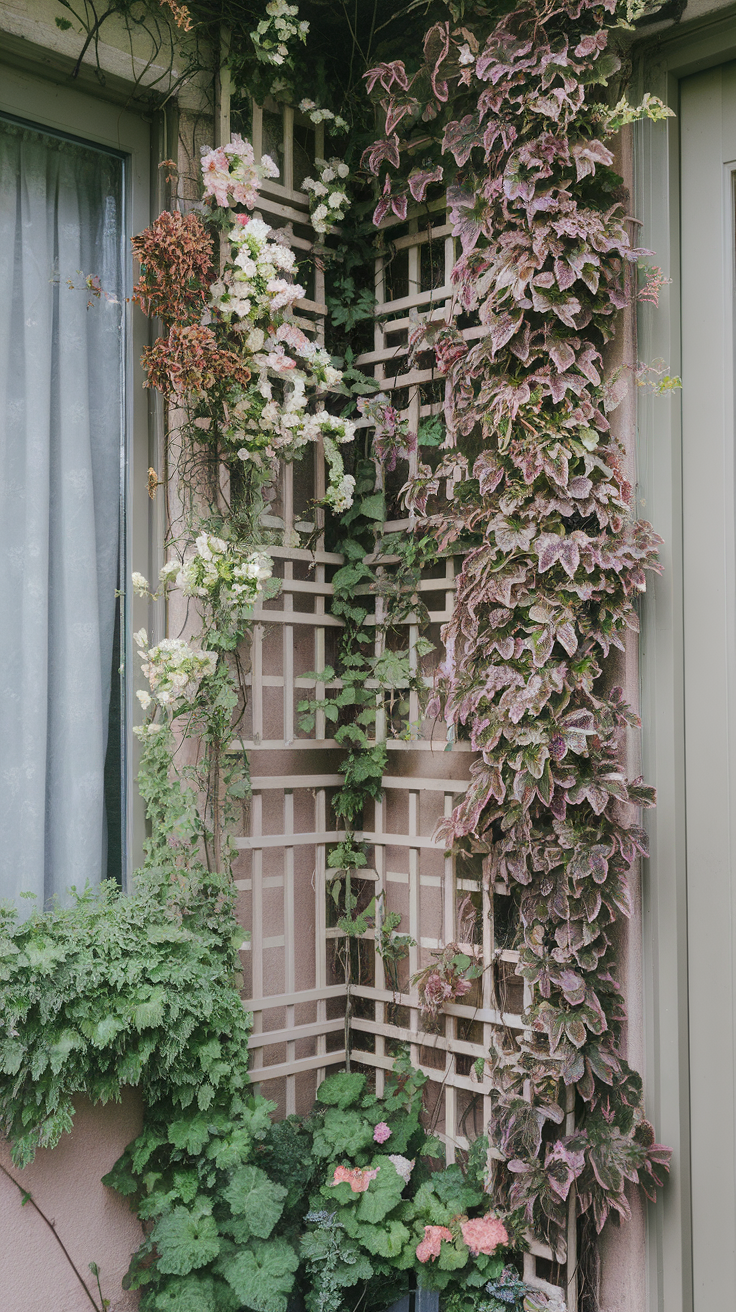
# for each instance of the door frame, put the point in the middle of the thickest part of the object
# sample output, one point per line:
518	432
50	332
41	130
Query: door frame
661	62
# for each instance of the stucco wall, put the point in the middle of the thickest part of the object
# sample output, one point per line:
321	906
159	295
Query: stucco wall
94	1223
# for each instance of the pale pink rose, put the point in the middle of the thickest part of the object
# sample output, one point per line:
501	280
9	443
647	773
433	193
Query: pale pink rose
462	986
242	219
381	1132
431	1243
357	1179
484	1234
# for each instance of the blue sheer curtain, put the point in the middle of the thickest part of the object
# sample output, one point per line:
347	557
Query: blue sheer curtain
61	431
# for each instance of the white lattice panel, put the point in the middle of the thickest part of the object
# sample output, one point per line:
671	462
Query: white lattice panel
295	985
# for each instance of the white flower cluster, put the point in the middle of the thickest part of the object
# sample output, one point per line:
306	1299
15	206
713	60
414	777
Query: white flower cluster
339	494
328	197
230	173
272	35
254	298
317	115
253	286
174	670
221	571
140	584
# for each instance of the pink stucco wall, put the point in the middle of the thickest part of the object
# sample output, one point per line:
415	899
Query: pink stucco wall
95	1224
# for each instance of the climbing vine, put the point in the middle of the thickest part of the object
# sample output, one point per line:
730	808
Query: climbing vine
554	559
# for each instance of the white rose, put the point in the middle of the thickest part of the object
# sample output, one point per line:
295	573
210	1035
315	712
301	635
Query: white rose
336	199
343	170
140	583
144	698
140	638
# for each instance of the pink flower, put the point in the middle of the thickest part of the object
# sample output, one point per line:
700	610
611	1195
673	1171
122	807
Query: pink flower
242	219
431	1243
462	986
436	989
381	1132
357	1179
279	361
484	1234
216	175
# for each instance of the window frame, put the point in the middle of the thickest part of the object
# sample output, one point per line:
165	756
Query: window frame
36	87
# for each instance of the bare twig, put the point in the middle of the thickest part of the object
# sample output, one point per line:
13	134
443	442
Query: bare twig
28	1198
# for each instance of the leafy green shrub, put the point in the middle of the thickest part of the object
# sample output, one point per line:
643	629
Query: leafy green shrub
378	1207
113	991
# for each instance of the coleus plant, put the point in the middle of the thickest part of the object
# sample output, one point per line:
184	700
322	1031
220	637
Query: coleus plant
508	120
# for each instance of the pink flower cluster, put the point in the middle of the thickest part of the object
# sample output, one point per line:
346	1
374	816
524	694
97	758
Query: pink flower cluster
438	988
432	1242
484	1234
357	1178
381	1132
231	175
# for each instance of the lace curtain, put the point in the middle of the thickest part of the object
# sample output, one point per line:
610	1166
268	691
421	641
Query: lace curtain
61	423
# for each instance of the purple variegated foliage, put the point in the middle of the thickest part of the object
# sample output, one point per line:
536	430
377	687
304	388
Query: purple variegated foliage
554	559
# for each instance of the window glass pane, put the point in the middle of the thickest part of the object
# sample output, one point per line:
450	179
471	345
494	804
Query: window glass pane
61	435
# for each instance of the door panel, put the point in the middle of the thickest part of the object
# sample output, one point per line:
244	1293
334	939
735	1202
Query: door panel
708	156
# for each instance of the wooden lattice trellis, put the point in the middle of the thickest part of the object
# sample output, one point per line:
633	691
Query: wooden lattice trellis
295	986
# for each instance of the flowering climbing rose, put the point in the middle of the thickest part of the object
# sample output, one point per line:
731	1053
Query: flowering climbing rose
430	1245
381	1132
357	1179
484	1234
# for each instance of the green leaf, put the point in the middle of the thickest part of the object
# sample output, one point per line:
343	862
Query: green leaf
453	1256
374	507
343	1133
251	1191
263	1275
455	1190
192	1294
382	1194
186	1239
191	1133
341	1090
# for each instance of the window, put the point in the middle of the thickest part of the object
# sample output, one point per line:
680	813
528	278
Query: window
74	449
